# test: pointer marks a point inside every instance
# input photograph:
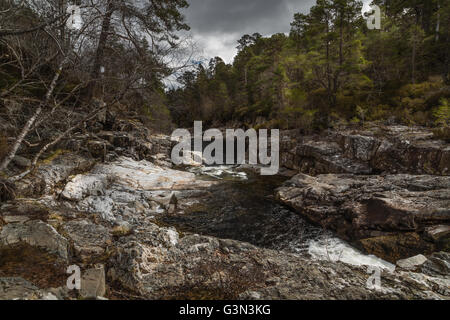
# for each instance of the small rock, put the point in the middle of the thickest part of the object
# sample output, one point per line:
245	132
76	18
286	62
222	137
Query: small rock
49	296
412	263
123	229
93	283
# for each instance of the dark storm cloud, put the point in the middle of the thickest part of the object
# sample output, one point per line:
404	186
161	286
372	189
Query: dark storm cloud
218	24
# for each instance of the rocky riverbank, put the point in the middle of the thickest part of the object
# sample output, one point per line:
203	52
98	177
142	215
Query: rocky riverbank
99	205
386	188
373	150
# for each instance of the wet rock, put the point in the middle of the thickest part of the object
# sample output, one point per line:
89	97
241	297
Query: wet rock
397	246
93	283
413	263
35	233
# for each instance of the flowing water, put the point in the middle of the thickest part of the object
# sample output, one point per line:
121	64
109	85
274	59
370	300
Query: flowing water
242	207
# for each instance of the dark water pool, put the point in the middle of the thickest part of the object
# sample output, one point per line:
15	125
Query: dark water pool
242	207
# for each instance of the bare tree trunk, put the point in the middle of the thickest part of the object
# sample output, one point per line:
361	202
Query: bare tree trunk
413	62
100	54
438	23
341	39
245	76
12	153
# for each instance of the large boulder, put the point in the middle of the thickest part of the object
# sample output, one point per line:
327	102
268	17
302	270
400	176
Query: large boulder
144	175
35	233
361	207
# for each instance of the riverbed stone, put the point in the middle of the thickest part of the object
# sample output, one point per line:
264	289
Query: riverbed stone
203	267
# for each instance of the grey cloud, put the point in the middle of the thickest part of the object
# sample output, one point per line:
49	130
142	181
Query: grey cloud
243	16
217	24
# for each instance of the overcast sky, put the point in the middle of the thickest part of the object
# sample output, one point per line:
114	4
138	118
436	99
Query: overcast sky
216	25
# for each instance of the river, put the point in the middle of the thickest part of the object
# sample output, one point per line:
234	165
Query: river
242	207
